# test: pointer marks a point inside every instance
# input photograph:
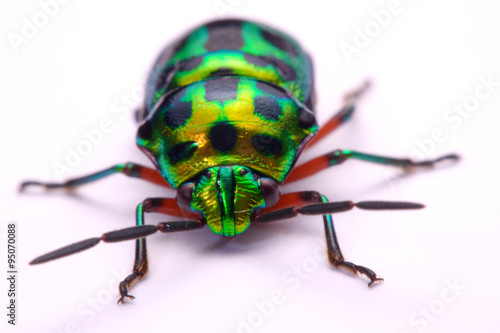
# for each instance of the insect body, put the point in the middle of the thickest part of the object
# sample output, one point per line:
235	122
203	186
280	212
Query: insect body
229	107
230	93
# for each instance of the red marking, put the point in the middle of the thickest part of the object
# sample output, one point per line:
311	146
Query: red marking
327	128
307	169
153	176
294	199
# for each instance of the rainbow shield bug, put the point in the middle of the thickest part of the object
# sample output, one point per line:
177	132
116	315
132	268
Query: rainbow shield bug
229	108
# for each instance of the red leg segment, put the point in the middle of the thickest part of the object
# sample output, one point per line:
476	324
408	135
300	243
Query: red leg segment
294	199
128	169
342	116
339	156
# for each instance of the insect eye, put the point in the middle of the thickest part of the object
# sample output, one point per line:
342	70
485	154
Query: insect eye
184	195
270	190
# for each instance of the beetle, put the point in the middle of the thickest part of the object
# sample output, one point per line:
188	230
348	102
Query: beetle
228	109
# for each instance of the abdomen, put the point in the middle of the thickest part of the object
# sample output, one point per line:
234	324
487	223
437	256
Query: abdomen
232	48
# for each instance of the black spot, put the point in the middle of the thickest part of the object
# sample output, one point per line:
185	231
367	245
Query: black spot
176	113
182	151
145	131
282	67
267	107
192	63
306	119
267	145
221	90
223	136
271	89
256	61
222	71
280	42
224	35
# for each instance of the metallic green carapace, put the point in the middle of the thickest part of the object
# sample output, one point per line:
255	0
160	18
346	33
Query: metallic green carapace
248	123
232	48
229	93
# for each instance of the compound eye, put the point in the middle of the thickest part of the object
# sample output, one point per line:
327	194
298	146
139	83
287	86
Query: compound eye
184	195
271	191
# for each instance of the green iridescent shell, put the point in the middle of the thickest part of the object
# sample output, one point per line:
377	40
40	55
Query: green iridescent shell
228	93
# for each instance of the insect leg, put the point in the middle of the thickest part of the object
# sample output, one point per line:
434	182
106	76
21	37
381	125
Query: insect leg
139	232
128	169
313	203
339	156
288	201
141	263
310	206
110	237
342	116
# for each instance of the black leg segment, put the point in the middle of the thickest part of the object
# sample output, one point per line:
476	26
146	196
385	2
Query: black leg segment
138	232
326	208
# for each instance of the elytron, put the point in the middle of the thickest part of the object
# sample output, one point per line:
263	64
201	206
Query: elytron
228	109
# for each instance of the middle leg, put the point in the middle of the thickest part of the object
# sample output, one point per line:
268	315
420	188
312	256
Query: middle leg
339	156
129	169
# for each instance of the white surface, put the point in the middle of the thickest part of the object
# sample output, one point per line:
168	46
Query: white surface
90	55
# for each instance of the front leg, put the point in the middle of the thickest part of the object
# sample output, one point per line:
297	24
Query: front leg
139	232
141	264
313	203
335	256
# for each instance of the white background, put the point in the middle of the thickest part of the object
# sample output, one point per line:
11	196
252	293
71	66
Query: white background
91	55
